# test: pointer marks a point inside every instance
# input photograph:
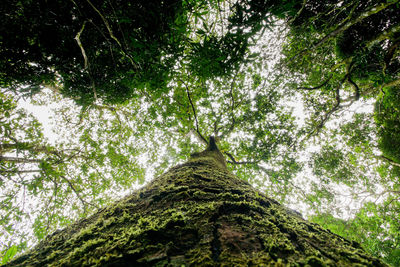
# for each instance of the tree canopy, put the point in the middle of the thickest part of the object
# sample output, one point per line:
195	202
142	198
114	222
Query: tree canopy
140	86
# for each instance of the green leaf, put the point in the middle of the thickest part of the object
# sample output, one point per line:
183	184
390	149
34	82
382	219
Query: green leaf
10	253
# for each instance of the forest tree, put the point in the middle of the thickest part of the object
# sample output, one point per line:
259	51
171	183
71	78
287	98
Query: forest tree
302	97
196	214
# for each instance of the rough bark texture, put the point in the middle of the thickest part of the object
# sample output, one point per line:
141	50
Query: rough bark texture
196	214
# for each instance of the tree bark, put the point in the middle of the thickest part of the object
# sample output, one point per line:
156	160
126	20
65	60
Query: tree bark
196	214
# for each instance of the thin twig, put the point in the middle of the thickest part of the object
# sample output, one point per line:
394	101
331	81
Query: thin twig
84	202
134	64
194	114
298	12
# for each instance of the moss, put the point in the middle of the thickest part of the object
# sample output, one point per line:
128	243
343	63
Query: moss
196	214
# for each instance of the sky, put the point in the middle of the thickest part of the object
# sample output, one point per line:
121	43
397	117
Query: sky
43	113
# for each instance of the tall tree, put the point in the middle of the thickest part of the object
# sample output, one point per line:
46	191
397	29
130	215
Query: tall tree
209	69
199	214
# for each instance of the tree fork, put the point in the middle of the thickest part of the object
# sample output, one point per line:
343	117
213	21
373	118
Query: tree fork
196	214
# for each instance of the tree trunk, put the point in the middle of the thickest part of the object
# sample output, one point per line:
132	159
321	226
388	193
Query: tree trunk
196	214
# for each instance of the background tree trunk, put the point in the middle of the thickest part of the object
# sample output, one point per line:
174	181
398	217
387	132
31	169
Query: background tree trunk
196	214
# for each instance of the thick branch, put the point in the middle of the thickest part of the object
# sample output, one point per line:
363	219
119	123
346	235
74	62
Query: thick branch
392	49
60	154
19	172
384	35
345	26
24	146
19	160
299	12
268	172
198	137
355	86
233	104
327	115
316	87
78	40
233	161
392	83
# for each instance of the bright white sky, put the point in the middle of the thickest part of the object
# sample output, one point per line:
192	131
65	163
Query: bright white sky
43	113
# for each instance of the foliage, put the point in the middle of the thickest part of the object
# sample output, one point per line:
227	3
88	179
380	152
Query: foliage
113	50
46	186
93	48
340	54
375	227
356	183
238	70
387	117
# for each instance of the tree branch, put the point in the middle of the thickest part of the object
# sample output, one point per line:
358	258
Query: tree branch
194	114
233	104
327	115
392	83
298	12
263	169
316	87
84	202
6	147
384	35
355	86
134	64
344	26
19	160
390	161
233	161
19	172
78	40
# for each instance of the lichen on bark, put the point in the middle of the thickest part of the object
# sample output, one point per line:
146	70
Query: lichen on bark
196	214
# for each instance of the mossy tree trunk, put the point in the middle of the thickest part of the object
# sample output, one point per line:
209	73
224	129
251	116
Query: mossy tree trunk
196	214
